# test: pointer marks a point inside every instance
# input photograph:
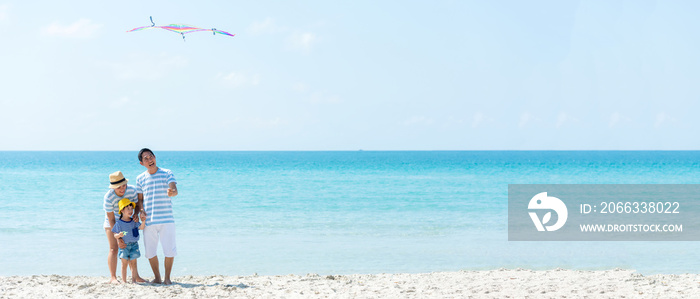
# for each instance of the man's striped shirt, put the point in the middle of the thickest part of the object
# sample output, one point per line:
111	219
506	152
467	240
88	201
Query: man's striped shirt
156	202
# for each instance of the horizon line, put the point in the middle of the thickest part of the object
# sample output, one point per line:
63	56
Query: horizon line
379	150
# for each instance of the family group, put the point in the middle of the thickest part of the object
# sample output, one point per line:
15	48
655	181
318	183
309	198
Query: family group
146	207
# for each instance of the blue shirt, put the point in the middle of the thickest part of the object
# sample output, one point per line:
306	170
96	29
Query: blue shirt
156	202
131	228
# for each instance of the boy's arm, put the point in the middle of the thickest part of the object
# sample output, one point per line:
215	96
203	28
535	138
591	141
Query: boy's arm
143	222
139	207
139	204
112	220
118	236
172	190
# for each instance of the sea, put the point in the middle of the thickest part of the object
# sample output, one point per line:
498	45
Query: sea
327	212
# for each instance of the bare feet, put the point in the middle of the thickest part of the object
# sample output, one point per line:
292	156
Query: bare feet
114	281
138	280
156	281
167	282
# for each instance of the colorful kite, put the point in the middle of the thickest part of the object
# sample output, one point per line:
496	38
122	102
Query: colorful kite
181	29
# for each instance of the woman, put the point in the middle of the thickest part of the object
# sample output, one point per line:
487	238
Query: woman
118	189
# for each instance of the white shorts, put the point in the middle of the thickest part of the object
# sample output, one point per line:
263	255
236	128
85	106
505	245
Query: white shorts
163	232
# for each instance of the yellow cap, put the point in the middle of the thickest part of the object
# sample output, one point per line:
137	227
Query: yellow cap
125	202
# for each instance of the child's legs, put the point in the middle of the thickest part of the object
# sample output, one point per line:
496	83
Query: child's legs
134	270
134	254
125	263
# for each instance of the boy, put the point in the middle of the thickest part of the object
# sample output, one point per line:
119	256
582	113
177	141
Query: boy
127	229
154	188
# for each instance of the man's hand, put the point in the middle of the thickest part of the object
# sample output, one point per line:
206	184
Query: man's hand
172	192
143	216
120	243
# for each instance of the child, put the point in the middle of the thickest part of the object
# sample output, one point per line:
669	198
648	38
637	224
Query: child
128	229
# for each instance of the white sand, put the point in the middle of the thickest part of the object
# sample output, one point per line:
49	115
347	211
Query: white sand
502	283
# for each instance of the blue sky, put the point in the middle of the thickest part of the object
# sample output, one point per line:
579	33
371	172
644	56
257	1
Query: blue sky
372	75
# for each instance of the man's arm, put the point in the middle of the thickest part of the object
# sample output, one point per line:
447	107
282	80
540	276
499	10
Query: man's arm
110	217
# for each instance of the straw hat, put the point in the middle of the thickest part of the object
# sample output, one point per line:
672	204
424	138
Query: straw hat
116	180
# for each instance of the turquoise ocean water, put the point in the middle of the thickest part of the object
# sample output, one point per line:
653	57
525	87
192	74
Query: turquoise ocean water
240	213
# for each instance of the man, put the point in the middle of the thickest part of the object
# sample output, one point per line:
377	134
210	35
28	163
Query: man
155	187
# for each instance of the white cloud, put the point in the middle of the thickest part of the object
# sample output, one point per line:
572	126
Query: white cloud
451	121
316	97
480	118
321	97
121	102
526	118
302	41
239	79
3	11
83	28
418	120
296	39
267	123
267	26
564	118
663	118
250	122
146	66
617	118
300	87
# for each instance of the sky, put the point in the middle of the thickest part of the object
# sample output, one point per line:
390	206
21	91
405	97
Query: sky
350	75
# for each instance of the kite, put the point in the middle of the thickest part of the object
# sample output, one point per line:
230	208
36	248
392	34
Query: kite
181	29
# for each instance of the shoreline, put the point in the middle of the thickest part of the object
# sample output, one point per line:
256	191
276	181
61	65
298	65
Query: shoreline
501	283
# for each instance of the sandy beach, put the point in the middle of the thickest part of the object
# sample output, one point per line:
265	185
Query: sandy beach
502	283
